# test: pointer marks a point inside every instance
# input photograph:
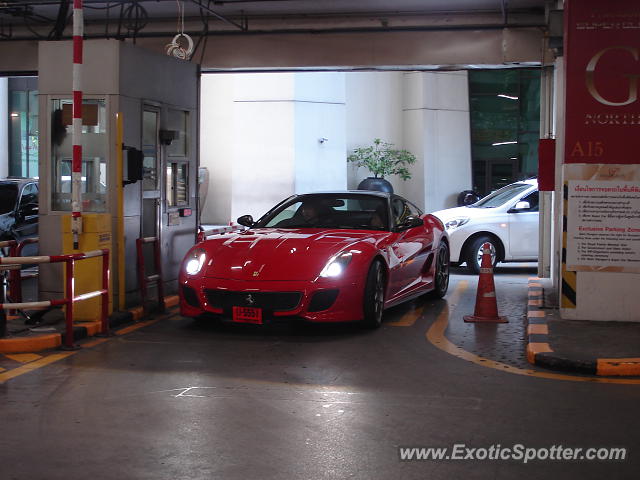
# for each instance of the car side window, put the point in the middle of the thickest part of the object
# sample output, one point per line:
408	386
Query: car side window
29	196
532	198
401	211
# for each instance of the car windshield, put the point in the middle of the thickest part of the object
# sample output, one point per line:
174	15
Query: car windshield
8	197
501	196
344	211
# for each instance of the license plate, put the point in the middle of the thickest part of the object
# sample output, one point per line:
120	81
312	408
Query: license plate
247	315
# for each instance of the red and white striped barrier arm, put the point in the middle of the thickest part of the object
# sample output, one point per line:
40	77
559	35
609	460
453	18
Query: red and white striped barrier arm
76	163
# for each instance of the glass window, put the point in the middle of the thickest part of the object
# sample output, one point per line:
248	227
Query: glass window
505	124
8	197
23	126
177	184
402	210
94	155
359	212
177	121
150	150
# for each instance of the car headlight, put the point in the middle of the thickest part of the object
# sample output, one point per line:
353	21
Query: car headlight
195	261
455	223
336	265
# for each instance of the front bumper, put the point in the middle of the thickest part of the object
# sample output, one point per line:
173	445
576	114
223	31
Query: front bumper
324	300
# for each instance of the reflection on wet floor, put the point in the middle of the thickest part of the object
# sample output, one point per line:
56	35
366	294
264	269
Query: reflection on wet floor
503	342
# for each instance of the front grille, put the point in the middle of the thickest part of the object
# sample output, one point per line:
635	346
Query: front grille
190	296
273	301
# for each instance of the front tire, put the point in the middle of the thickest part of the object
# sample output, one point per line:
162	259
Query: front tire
373	298
441	277
473	255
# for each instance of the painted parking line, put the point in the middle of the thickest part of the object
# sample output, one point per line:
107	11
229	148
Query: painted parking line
409	318
31	361
30	367
436	336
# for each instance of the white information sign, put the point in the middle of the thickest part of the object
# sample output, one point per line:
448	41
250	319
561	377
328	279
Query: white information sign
603	225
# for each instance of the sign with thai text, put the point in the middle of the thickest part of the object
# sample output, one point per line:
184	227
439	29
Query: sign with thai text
603	226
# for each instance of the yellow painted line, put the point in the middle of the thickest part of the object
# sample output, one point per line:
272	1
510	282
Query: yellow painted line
30	367
535	313
618	366
132	328
408	319
24	357
93	343
437	338
537	329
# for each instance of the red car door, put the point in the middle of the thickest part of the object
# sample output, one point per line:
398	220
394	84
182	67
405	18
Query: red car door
409	252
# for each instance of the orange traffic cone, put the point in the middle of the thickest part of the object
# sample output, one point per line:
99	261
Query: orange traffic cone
486	304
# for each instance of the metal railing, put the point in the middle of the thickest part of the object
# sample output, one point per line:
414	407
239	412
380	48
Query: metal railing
70	297
145	280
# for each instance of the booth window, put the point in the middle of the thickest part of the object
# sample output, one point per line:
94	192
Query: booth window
177	183
150	149
94	155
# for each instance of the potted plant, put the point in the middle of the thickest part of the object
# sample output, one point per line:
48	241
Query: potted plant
381	159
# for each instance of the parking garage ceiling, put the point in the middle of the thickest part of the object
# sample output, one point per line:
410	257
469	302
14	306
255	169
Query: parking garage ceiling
49	19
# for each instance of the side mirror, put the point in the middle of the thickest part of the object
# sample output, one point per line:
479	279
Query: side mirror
246	220
134	165
520	206
410	222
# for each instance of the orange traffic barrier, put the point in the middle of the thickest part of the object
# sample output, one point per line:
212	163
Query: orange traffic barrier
486	304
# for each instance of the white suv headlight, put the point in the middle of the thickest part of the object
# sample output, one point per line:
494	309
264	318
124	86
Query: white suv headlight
455	223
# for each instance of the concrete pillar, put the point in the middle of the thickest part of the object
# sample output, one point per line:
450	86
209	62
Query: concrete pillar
437	130
262	139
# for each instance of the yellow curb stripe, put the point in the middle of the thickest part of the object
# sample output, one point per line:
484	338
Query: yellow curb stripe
30	367
137	313
535	313
24	357
535	284
537	329
534	348
92	327
30	344
618	366
535	303
171	301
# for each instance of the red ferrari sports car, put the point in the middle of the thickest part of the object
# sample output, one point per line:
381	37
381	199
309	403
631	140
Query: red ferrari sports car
321	257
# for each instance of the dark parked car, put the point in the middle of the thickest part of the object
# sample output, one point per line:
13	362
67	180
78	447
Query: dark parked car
18	208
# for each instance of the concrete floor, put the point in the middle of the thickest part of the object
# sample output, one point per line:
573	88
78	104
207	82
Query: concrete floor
182	399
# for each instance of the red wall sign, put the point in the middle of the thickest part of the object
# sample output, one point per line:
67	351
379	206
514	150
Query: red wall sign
602	64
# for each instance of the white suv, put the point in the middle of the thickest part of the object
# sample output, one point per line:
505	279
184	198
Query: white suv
507	219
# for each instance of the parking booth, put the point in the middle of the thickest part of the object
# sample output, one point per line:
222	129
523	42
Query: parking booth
139	164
